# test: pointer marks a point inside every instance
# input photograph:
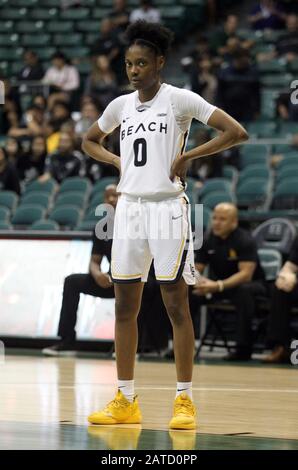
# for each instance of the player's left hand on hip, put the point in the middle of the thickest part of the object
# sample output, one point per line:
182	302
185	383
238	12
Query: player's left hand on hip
179	168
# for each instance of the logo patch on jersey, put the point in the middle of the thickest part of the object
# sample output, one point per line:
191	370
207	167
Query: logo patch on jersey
232	254
141	110
162	114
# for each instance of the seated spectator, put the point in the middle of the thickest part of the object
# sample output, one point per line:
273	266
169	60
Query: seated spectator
33	123
9	179
218	39
41	101
64	162
14	150
287	109
237	80
32	69
31	165
146	12
205	167
102	82
204	81
11	109
63	79
268	14
59	115
95	283
286	46
90	112
109	45
284	295
119	16
234	273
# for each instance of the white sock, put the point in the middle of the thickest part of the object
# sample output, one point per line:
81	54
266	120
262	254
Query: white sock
184	387
127	387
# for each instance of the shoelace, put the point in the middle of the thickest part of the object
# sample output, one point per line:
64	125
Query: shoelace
184	407
116	404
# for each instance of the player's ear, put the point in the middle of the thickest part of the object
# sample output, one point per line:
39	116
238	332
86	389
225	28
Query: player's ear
160	62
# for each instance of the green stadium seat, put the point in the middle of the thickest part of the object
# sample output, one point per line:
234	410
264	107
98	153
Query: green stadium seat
4	214
85	226
16	67
268	103
44	14
27	215
36	197
6	26
75	183
254	171
92	26
14	14
30	27
77	199
100	13
66	216
282	148
100	185
59	26
215	184
277	80
44	224
51	3
24	3
84	67
96	199
9	199
44	53
293	66
75	14
252	193
287	129
9	39
254	154
287	172
230	173
72	39
45	187
91	38
5	225
11	54
75	52
90	216
285	195
262	129
212	199
290	159
272	66
262	47
5	71
30	40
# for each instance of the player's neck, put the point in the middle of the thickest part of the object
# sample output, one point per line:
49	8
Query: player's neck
149	93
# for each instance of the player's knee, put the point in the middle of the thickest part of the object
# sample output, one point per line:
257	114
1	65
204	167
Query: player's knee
177	315
125	312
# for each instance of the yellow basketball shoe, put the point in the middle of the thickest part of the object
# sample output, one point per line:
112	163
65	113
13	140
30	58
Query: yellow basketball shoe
118	411
184	413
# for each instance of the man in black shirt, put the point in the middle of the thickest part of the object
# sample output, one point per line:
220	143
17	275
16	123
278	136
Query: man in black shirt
95	283
234	273
9	179
284	296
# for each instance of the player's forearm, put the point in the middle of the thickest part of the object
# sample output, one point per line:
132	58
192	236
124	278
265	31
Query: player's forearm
100	153
225	140
236	279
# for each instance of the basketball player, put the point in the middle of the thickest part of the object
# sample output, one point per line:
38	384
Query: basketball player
155	121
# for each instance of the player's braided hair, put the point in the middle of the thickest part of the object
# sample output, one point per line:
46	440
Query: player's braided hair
152	35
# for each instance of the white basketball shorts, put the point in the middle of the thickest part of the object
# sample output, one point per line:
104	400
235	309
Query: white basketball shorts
146	230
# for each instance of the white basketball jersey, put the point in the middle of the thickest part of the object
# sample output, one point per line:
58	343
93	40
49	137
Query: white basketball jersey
152	134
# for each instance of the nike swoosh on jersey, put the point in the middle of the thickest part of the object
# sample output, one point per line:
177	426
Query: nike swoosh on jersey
178	217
